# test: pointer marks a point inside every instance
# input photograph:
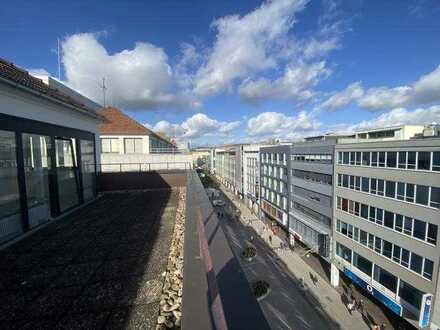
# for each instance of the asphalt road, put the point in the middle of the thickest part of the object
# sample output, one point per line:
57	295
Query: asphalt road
286	306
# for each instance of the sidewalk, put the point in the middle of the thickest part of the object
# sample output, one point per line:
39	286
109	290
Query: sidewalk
329	299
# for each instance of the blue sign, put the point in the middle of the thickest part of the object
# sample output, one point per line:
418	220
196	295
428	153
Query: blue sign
388	302
425	311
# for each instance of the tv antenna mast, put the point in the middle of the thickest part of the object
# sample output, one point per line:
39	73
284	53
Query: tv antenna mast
104	89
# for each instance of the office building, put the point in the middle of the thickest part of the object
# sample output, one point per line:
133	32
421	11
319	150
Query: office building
386	218
229	168
275	181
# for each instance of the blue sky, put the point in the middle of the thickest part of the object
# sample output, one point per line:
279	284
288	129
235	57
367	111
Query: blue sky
227	71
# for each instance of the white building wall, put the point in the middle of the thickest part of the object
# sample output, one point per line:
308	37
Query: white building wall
16	102
111	162
145	142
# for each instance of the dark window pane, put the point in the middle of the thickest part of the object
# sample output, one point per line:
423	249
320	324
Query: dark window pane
374	159
364	211
402	159
419	229
411	160
346	157
391	159
373	186
432	233
410	294
366	159
372	214
343	252
357	184
380	187
405	258
396	253
389	219
358	158
424	160
436	161
381	159
379	216
391	189
365	185
352	157
399	222
408	226
427	269
416	263
387	249
435	197
378	245
410	192
345	180
362	264
363	237
422	194
401	191
385	278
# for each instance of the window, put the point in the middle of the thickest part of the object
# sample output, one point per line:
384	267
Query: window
374	159
345	180
411	160
400	191
365	185
390	189
362	264
407	228
385	278
396	253
364	211
409	196
436	161
372	214
344	204
366	159
389	219
435	197
424	160
363	237
416	263
350	231
387	249
419	229
373	188
356	208
378	245
410	294
422	194
371	241
109	145
379	216
380	187
432	234
133	146
346	158
351	181
338	226
343	252
399	223
402	159
339	157
391	159
357	184
427	269
352	158
358	158
404	261
356	234
381	159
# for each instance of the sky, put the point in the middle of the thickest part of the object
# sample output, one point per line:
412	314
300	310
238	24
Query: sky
213	72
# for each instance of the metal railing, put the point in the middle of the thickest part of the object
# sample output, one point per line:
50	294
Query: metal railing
143	167
168	151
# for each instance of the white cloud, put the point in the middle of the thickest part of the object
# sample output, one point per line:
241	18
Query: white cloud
136	78
196	127
246	45
295	84
275	124
343	98
400	116
424	91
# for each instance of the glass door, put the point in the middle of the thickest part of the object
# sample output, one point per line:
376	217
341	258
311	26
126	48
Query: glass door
10	211
37	168
67	173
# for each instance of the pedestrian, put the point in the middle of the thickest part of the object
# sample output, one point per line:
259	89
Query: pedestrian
360	306
270	239
350	307
382	326
353	304
252	238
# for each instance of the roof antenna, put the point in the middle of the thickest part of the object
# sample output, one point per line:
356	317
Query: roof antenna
104	88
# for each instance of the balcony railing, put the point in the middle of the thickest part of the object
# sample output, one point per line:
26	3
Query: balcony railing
143	167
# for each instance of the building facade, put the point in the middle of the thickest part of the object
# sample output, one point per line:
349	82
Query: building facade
311	195
251	176
48	147
386	218
275	182
229	167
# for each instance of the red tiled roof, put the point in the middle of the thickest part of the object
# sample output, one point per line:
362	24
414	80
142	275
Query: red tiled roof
13	74
117	122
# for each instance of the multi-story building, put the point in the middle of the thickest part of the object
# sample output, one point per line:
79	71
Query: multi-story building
386	218
311	195
251	176
229	167
274	181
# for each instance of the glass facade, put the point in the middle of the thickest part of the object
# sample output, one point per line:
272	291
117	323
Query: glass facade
45	170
